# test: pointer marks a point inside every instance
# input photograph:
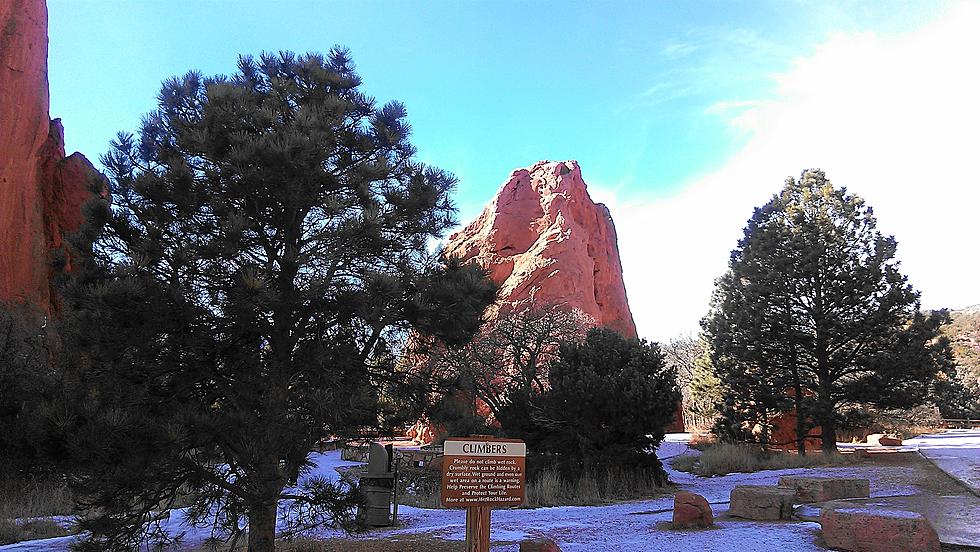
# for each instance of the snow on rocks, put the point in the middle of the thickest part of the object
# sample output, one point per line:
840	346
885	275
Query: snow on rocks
691	511
877	530
761	503
822	489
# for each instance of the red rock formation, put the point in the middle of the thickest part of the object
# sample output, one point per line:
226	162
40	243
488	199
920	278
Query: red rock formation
41	191
545	242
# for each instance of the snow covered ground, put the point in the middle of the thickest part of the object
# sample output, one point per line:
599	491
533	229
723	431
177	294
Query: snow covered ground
956	452
642	525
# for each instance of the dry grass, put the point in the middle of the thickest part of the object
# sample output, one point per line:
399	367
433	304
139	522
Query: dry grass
549	488
27	500
701	441
722	458
11	531
684	462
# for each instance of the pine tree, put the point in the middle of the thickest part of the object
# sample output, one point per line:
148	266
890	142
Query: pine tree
608	401
264	257
814	314
25	381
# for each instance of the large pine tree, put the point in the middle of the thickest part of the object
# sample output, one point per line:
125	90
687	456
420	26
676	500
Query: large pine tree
814	314
606	405
266	251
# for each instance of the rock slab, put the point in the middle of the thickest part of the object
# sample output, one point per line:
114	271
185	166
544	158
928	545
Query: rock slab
822	489
545	242
691	511
877	530
761	502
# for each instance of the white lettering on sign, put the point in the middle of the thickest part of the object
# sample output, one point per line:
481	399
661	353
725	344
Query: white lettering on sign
484	448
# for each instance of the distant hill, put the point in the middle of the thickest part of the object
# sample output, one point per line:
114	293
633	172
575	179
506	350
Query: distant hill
964	335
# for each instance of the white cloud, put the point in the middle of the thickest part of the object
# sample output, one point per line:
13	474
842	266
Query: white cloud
894	119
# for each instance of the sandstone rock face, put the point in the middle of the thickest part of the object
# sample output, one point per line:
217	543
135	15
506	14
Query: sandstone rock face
545	242
41	191
877	530
691	511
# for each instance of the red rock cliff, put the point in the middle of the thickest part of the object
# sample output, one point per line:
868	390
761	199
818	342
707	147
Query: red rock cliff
546	242
41	191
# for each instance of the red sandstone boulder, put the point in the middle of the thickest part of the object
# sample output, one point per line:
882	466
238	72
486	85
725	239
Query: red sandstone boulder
41	191
545	242
691	511
877	530
890	441
539	545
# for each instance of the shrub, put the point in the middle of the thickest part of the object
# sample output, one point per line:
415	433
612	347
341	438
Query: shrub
725	458
608	402
419	487
684	462
12	531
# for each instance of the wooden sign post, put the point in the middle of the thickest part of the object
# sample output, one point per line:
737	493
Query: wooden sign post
480	473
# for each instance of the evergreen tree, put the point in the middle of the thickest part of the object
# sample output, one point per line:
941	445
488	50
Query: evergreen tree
264	257
26	378
689	357
608	401
705	388
813	314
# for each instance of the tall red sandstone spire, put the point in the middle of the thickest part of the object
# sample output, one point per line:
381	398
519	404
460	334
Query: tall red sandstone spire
546	242
41	191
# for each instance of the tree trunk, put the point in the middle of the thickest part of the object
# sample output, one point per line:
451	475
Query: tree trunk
262	528
828	436
801	430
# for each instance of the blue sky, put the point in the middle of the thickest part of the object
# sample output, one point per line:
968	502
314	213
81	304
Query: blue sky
683	115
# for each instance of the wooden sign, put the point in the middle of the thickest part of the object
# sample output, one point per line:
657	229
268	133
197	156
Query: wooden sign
483	472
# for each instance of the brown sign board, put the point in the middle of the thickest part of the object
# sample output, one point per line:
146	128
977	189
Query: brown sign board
483	471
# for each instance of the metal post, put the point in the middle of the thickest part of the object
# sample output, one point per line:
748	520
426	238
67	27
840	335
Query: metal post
478	529
394	493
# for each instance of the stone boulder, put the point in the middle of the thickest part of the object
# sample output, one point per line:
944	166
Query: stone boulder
761	503
884	440
545	242
41	191
539	545
691	511
822	489
877	530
